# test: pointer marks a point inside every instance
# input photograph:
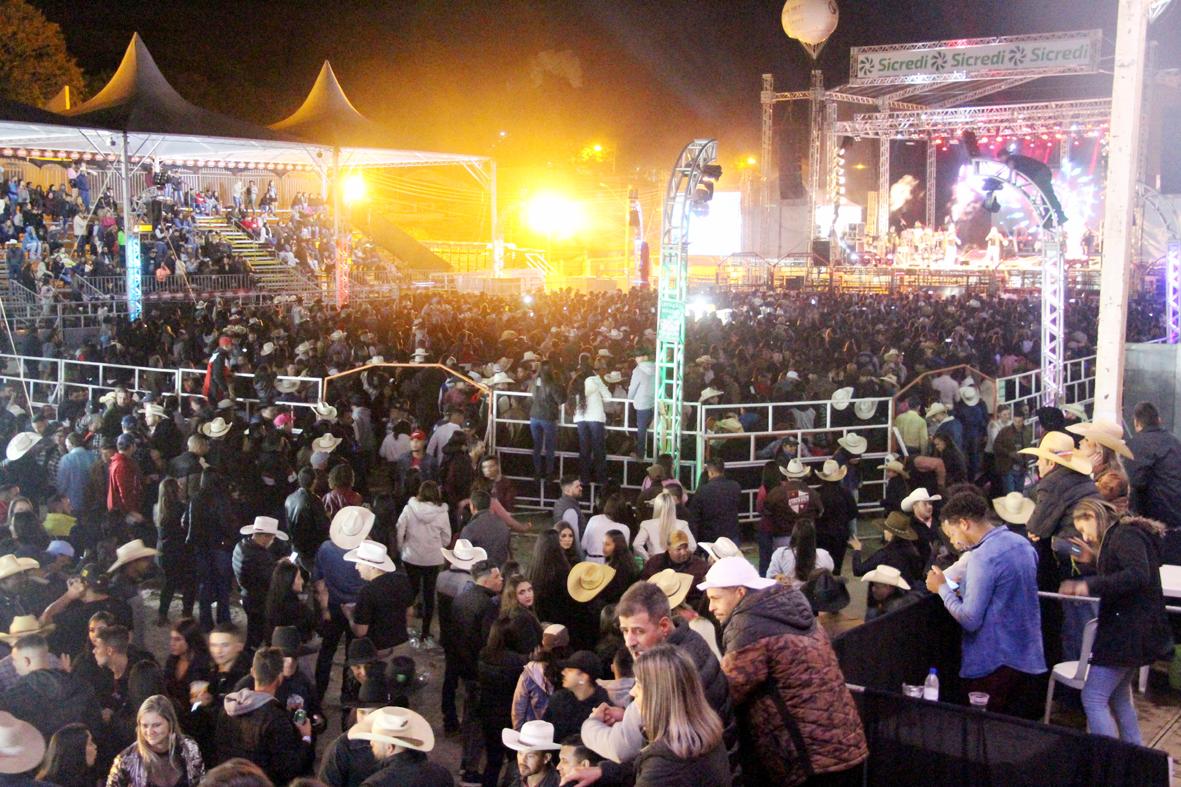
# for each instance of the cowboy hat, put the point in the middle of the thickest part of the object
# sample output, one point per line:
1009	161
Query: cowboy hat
1058	447
350	526
326	443
154	409
336	336
832	471
225	404
936	409
371	553
841	398
21	445
827	593
324	411
969	395
267	349
419	353
919	495
1077	410
500	378
587	579
865	408
612	378
729	426
897	523
605	353
795	469
854	444
23	626
215	428
730	572
130	552
1015	508
287	639
107	398
722	548
21	745
536	735
287	386
886	575
304	347
375	360
530	357
704	360
1106	433
11	564
709	393
264	525
508	335
397	726
463	556
889	379
894	466
673	584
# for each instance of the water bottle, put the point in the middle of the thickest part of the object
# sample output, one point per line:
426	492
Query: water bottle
931	686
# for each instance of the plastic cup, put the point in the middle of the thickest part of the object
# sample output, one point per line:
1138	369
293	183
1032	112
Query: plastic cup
912	691
978	699
197	688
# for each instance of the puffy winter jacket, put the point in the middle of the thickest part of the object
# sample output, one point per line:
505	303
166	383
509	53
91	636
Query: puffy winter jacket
1154	476
49	699
253	725
532	694
423	530
1056	495
795	714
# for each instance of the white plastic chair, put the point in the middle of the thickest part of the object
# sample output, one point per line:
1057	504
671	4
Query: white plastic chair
1074	673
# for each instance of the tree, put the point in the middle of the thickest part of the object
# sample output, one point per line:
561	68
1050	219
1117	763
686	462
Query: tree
34	62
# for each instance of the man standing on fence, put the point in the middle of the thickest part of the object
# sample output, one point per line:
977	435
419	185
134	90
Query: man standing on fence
218	377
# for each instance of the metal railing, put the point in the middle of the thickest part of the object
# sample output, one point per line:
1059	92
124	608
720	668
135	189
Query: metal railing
180	284
1025	388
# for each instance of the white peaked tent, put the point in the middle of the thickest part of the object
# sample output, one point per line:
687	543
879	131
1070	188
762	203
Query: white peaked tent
65	100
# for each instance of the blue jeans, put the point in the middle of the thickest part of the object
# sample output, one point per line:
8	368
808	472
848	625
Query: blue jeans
643	421
592	451
215	572
1013	481
545	437
1107	699
766	544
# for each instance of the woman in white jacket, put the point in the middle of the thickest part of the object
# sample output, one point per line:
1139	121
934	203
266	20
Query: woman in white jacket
588	393
424	528
653	536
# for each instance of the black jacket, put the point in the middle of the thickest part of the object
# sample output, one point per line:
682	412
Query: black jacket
1133	626
901	554
410	769
266	736
49	699
547	400
1056	495
1154	476
211	521
347	763
567	713
307	523
499	673
472	615
715	507
253	566
657	766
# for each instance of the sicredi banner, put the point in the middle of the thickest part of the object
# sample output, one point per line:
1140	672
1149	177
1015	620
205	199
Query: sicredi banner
976	58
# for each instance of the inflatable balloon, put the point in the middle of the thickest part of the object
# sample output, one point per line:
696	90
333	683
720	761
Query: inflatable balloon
810	22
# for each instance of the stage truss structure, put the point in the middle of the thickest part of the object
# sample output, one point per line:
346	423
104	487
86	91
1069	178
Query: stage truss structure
672	296
1149	200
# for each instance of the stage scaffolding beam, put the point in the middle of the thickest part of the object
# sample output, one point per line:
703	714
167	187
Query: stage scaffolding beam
816	141
930	184
1127	88
1012	119
883	187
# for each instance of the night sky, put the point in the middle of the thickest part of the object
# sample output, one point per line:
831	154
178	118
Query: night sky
643	77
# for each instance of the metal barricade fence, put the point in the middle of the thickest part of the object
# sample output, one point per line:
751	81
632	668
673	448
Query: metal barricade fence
1026	388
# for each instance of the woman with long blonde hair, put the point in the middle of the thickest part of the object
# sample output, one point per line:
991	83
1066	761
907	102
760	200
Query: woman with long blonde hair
653	536
684	733
161	756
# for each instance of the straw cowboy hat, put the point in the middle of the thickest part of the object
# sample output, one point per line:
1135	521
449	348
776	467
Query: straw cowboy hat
709	393
500	378
936	409
108	398
336	336
898	523
215	428
267	349
326	443
886	575
894	466
508	336
612	377
841	398
396	726
673	584
1015	508
865	408
305	347
889	379
704	360
463	556
21	445
536	735
11	565
1058	448
854	444
917	496
21	745
129	553
324	411
350	526
287	386
371	553
530	357
154	409
722	548
832	471
1106	433
264	525
795	469
587	579
23	626
728	425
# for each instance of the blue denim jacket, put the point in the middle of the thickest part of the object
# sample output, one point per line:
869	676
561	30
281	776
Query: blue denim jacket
999	611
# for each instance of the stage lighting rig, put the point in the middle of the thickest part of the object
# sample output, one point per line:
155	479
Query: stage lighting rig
704	191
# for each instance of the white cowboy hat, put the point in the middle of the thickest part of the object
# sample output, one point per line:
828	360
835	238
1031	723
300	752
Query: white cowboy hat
350	526
215	428
792	375
1058	448
131	551
419	353
917	496
304	347
673	584
464	555
1077	410
536	735
20	445
267	349
397	726
886	575
1106	433
1015	508
722	548
841	398
264	525
587	579
605	353
530	357
154	409
865	408
709	393
894	466
21	745
500	378
286	386
107	398
969	395
795	469
832	471
936	409
23	626
612	377
225	404
336	336
326	443
853	443
11	565
731	572
375	360
371	553
324	411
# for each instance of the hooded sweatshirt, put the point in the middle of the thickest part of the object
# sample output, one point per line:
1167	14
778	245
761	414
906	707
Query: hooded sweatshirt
253	725
642	389
49	699
423	530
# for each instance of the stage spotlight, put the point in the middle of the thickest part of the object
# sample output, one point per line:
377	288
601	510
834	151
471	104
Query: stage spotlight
990	188
704	191
969	139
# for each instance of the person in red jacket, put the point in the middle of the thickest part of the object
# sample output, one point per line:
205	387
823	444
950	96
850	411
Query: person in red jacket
125	484
218	377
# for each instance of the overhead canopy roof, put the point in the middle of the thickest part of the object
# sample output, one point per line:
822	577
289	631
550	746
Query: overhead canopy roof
64	100
327	117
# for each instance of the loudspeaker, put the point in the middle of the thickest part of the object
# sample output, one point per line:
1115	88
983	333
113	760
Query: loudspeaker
822	250
793	152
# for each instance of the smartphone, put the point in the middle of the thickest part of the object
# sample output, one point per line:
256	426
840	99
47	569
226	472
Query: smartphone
951	583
